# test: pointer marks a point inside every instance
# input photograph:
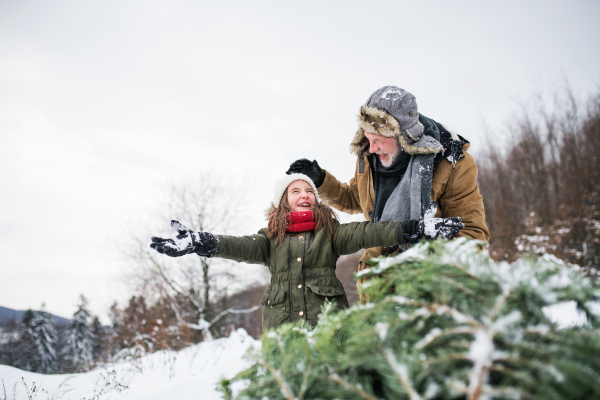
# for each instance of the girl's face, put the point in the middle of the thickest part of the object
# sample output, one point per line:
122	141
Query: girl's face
300	196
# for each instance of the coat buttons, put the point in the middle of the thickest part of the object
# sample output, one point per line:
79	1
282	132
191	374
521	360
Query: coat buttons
326	299
300	237
299	286
410	113
268	301
301	313
299	259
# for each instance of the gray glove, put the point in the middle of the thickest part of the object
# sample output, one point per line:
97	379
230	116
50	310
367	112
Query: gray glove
186	242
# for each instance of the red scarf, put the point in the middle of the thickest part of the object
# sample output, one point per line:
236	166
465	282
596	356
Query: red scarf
301	221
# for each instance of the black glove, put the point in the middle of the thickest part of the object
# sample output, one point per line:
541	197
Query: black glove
412	231
430	227
186	242
308	168
434	228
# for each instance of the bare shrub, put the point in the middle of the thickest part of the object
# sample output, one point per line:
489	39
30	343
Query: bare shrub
542	193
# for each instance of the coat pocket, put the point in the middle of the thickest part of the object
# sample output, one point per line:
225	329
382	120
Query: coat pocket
322	290
274	298
275	308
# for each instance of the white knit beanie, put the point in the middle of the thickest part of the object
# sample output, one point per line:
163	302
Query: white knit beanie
282	184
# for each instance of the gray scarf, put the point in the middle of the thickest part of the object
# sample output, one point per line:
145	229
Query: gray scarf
412	196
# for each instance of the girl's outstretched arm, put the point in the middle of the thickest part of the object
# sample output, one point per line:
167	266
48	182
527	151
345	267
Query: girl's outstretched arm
252	249
349	238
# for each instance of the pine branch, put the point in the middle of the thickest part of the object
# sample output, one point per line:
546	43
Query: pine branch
438	309
401	372
305	379
436	333
285	389
499	303
462	288
348	386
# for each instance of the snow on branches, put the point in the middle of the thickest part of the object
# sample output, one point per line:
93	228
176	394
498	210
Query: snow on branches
445	321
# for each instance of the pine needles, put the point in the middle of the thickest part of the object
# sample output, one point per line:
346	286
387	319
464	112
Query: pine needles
446	322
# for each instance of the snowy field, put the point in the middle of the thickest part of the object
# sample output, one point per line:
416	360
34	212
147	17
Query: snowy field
192	373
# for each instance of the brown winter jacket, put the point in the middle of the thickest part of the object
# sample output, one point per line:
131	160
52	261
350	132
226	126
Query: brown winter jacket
453	187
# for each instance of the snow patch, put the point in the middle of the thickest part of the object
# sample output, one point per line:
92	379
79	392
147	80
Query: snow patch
565	314
192	373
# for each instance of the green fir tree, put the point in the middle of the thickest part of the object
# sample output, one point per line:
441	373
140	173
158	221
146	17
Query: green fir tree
445	322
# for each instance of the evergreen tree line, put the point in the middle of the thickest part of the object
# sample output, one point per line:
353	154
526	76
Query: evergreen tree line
140	327
542	191
39	345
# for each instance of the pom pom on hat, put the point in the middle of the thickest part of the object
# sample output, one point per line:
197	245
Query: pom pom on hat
282	185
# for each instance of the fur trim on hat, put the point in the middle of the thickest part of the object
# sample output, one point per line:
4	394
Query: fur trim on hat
281	186
379	122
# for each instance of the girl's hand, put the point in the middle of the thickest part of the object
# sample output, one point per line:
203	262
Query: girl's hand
185	242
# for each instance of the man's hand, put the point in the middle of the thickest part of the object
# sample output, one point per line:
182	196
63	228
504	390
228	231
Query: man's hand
308	168
431	227
445	228
185	242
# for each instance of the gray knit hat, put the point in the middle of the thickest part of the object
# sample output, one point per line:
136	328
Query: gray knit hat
393	112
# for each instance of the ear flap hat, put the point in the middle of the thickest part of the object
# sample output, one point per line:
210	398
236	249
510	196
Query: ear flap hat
393	112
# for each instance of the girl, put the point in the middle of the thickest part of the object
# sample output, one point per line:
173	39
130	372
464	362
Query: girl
300	246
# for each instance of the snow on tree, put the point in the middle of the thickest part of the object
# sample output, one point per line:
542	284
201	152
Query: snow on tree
26	352
45	338
446	322
98	334
78	343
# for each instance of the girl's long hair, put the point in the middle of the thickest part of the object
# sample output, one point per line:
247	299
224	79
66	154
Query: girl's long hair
278	223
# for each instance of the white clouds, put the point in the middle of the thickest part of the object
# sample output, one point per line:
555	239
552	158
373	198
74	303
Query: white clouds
101	103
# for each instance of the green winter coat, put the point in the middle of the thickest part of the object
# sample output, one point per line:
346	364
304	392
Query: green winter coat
303	269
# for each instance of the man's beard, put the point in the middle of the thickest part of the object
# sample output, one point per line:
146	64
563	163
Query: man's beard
393	156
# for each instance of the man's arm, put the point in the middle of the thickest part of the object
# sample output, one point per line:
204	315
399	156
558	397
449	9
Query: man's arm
341	196
461	198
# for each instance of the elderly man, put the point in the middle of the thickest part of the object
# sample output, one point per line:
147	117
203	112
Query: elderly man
407	164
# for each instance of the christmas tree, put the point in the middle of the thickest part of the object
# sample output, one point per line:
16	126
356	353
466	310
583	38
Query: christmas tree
445	322
45	338
78	345
26	355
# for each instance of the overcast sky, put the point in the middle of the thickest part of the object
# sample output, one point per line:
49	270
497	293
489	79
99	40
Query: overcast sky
101	103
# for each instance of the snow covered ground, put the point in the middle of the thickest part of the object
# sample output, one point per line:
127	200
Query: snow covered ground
192	373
